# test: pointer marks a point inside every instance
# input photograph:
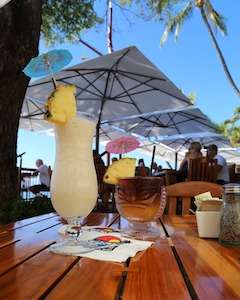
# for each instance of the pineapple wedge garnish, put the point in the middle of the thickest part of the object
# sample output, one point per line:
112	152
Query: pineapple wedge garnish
122	168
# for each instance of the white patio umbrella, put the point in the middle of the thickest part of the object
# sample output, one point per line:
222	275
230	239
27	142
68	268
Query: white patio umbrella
167	123
121	84
181	142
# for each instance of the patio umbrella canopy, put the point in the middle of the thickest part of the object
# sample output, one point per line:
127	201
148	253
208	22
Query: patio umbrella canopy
121	84
181	142
167	123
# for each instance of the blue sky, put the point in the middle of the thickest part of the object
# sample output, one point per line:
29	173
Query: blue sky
191	63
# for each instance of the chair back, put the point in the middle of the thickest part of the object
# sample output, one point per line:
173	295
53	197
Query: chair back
184	191
100	171
202	169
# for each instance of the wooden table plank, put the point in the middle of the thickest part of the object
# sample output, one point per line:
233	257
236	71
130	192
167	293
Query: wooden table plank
148	276
89	279
32	229
214	270
154	274
26	222
33	275
31	244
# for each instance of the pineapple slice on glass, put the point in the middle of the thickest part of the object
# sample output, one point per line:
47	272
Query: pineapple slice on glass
122	168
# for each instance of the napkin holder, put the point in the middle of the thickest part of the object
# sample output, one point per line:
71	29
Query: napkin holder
208	218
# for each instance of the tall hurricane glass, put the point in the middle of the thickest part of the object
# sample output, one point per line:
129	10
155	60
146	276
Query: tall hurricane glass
74	186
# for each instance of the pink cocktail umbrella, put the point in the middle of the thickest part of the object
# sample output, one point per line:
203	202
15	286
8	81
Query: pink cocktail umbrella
122	145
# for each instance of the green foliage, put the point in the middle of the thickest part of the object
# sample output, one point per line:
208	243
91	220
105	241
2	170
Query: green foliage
217	20
231	128
192	97
64	20
175	12
11	211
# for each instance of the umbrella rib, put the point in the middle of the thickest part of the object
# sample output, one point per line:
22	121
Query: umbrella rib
193	115
149	131
96	70
134	87
120	58
196	118
103	100
159	89
136	93
38	107
90	84
170	121
32	115
133	103
81	90
141	75
154	122
173	122
30	118
65	77
135	126
105	133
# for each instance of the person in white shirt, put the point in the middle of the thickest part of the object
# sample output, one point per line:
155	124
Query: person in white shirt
44	177
222	168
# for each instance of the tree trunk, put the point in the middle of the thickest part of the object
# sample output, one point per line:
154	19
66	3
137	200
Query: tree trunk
219	52
20	23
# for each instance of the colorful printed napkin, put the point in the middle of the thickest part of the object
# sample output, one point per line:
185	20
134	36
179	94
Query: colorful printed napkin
101	243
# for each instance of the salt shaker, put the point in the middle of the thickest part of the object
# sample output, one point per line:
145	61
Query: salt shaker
230	216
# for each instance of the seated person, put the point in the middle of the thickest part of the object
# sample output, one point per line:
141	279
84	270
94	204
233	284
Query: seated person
222	169
194	151
141	169
154	168
157	170
44	177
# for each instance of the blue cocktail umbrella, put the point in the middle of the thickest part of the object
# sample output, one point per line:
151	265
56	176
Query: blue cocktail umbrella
48	63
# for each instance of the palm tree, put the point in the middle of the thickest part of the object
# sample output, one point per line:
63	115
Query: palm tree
231	129
176	12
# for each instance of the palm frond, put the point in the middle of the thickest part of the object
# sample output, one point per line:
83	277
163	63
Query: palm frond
174	23
216	19
159	6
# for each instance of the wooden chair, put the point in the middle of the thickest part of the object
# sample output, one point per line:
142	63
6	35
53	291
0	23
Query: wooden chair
105	191
202	169
185	191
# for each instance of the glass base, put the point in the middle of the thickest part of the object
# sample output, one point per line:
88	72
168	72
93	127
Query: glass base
147	231
71	246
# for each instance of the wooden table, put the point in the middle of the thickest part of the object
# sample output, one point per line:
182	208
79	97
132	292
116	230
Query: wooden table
178	266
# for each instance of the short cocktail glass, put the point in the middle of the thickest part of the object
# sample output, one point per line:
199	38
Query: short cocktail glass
141	200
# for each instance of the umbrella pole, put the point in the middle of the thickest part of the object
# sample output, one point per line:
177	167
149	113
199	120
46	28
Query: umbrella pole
176	160
97	137
153	156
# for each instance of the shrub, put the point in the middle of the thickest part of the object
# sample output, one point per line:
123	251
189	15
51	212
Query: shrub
19	209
